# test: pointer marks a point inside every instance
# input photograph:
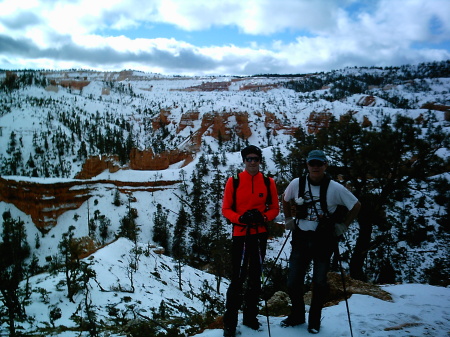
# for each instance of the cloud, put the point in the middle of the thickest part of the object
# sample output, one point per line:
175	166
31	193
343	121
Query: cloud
21	20
251	16
322	34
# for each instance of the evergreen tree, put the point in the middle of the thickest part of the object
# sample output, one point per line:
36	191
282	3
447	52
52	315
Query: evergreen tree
14	251
90	321
298	151
380	163
105	223
70	251
198	203
179	241
128	227
217	236
281	163
82	151
161	228
117	202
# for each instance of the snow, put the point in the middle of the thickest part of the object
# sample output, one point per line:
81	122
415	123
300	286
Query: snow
416	310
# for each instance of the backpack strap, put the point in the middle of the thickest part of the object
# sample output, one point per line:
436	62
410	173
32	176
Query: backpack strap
323	195
269	193
235	186
301	186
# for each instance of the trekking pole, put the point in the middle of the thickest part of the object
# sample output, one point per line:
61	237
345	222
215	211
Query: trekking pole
338	255
263	281
276	259
243	251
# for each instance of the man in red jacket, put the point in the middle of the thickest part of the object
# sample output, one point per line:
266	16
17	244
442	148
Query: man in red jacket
254	202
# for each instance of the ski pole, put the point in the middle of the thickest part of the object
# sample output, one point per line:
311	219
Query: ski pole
263	281
338	255
276	259
243	254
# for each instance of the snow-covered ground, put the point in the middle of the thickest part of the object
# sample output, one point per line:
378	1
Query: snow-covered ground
417	310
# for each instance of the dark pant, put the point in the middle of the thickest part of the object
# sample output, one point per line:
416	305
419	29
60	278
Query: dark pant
246	257
307	247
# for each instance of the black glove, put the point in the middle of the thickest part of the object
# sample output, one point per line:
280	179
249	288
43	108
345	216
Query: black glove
258	218
252	216
246	218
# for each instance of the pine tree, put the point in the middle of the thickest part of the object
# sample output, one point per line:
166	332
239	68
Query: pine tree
105	223
14	250
82	151
117	202
380	163
198	203
179	241
128	226
217	237
161	228
69	250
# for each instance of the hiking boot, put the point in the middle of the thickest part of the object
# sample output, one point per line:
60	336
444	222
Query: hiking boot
252	323
292	321
313	330
229	332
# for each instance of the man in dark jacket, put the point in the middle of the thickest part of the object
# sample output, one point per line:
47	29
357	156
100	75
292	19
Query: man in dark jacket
248	209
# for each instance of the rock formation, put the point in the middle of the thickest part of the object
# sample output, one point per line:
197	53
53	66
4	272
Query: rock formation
45	202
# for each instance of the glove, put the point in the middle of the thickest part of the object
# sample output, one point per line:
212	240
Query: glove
340	229
289	223
257	216
246	218
251	217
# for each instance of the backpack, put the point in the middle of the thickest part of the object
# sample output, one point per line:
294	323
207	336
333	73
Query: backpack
338	215
236	184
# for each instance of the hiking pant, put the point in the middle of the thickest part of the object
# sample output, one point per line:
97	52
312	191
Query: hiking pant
307	247
246	256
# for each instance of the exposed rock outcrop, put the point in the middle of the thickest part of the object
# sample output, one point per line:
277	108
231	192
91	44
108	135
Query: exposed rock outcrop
161	119
367	101
318	120
95	165
45	202
439	107
278	304
220	126
147	160
74	84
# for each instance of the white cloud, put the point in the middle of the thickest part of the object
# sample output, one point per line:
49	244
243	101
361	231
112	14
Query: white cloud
329	34
250	16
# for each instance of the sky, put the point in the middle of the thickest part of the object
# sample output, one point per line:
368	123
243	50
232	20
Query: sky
222	37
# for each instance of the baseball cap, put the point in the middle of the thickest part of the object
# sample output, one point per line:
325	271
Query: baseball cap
316	155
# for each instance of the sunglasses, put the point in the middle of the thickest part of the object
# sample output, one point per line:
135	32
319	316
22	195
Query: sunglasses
250	159
316	163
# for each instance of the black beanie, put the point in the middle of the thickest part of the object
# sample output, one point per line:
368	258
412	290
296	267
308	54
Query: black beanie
251	149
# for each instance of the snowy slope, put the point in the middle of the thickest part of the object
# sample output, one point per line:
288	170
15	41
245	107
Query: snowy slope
417	310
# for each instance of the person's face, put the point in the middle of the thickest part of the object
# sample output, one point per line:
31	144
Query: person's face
316	169
252	162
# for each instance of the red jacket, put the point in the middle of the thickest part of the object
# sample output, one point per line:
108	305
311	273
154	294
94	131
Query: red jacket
250	194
